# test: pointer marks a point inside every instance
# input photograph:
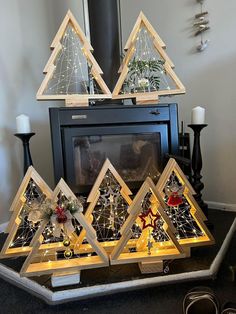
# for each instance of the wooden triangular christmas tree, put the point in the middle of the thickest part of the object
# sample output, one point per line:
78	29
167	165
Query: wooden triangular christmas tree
182	208
72	73
68	220
26	214
151	230
108	203
146	71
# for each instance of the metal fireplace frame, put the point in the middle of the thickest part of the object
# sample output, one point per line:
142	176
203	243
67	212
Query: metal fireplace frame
63	120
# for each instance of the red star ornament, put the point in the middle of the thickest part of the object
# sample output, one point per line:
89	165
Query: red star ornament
149	219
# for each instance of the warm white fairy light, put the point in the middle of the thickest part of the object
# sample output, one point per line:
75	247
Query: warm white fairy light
72	72
157	234
110	211
145	51
184	222
27	229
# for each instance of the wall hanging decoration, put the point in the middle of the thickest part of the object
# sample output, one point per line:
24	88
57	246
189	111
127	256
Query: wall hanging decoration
26	210
201	25
108	201
181	207
155	240
72	73
146	71
67	219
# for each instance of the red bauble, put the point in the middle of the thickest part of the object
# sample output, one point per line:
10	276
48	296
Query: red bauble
174	199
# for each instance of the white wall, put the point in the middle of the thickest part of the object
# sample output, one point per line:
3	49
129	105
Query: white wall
27	28
209	77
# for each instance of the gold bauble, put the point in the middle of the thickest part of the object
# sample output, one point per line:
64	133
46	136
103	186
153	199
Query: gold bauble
66	242
68	254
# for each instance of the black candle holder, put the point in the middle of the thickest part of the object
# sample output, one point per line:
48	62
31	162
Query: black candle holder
197	166
25	138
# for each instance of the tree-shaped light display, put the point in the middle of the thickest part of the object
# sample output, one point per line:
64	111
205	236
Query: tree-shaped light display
182	208
66	217
26	214
72	73
146	71
151	230
108	203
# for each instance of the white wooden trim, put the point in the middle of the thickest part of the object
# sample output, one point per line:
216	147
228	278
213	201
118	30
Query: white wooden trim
222	206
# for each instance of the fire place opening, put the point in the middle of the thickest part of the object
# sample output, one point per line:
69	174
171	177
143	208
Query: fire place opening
134	138
135	156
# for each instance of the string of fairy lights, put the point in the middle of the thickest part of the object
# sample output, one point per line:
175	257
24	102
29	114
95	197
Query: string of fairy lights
27	229
110	211
146	71
181	217
72	71
157	233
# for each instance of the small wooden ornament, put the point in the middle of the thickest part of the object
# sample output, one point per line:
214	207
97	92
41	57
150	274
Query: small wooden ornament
142	96
69	91
36	267
195	213
142	251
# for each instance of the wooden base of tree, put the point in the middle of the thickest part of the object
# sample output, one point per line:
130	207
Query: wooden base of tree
65	279
151	267
146	99
77	102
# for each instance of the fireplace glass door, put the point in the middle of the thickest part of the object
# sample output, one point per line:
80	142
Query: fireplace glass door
135	152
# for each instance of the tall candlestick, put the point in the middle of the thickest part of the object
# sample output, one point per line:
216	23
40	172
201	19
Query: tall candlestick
197	167
23	124
25	138
198	115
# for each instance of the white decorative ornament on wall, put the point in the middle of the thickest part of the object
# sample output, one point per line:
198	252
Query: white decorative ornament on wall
201	25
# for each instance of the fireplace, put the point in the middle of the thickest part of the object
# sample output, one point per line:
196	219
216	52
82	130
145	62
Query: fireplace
134	138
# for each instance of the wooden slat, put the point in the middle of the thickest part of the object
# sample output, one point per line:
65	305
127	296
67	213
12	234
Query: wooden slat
30	268
16	208
148	97
118	256
50	67
195	210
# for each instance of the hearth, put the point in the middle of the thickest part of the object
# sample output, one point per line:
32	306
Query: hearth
134	138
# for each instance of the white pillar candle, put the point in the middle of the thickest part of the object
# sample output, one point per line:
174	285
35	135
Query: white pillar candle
198	115
23	124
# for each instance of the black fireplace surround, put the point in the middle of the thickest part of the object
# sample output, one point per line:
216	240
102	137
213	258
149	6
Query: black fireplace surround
134	138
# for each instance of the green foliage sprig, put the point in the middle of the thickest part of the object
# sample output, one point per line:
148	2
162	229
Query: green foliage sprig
143	69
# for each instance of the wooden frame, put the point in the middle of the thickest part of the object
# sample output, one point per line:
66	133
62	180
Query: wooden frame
196	212
167	250
16	208
94	196
72	99
31	268
147	97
